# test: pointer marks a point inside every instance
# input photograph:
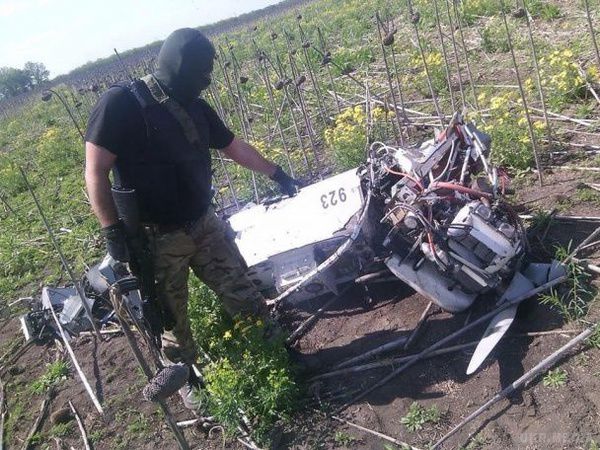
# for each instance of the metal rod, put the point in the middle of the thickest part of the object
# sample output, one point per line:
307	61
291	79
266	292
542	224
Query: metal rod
65	264
455	48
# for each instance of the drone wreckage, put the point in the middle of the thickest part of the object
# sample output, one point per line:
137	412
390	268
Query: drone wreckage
435	216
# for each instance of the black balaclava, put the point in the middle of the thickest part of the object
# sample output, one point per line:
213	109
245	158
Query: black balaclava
184	64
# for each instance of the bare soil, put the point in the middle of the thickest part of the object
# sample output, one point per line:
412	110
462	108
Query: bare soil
539	417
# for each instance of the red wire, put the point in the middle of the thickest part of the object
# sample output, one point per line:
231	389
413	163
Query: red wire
459	188
402	174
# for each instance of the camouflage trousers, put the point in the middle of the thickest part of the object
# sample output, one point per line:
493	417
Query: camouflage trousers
208	248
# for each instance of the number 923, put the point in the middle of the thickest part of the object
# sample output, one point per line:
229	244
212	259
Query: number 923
334	197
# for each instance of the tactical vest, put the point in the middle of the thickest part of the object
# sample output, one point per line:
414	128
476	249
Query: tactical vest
172	174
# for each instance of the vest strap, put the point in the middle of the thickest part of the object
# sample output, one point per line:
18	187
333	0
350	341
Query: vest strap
174	108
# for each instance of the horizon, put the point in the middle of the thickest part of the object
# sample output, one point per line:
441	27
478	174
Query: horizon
56	46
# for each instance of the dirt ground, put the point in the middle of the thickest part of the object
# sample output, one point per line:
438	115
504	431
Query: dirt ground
540	417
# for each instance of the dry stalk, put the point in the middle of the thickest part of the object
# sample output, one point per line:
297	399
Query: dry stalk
444	53
485	318
466	52
588	16
523	99
38	421
395	441
415	18
538	75
521	382
388	76
455	48
84	436
2	414
418	327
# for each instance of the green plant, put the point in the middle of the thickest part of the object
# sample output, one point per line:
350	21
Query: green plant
572	300
55	372
494	38
60	429
543	9
343	438
96	436
245	372
594	339
418	416
555	378
347	137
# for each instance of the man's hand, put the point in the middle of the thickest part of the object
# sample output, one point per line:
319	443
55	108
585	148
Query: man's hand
116	242
286	183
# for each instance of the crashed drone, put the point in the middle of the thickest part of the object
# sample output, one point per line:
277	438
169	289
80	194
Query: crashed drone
435	216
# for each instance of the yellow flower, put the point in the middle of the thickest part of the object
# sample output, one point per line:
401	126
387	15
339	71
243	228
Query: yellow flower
227	336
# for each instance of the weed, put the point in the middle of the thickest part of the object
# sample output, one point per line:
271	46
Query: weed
418	416
55	373
478	441
494	38
573	300
347	137
543	9
96	436
344	439
60	429
593	445
587	195
555	378
245	372
594	339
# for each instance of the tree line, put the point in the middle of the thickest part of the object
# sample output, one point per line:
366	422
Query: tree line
15	81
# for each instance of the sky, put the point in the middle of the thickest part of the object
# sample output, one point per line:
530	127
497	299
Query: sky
64	34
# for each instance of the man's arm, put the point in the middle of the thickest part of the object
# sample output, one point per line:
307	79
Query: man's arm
246	155
99	162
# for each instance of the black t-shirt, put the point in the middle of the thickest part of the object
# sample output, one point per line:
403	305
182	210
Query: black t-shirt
116	123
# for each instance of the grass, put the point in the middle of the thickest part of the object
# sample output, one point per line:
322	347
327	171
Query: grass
418	416
555	378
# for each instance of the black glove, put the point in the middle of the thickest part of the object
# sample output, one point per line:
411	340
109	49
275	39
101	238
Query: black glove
116	241
286	183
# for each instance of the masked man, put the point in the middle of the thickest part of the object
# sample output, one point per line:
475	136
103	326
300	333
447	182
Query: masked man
155	135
